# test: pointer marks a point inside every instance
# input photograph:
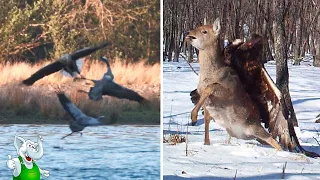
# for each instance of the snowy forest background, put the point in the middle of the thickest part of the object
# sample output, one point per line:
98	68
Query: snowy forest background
294	20
290	30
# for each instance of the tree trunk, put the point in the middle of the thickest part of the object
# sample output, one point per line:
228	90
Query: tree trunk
316	61
282	78
170	48
237	7
176	48
190	51
297	44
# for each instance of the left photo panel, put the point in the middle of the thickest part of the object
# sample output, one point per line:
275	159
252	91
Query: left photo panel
80	89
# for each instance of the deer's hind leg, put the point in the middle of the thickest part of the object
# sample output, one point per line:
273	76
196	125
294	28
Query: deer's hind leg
207	119
266	137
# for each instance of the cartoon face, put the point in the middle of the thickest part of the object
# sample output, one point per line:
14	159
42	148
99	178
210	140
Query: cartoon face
28	150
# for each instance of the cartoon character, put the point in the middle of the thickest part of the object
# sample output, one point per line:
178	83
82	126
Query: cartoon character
24	167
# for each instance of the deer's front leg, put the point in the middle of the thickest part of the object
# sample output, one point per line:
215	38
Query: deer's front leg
203	96
213	89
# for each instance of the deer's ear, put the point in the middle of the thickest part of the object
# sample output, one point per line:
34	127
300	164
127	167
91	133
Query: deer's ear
216	26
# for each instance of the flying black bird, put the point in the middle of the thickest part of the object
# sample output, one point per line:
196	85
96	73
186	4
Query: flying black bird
67	62
79	119
106	86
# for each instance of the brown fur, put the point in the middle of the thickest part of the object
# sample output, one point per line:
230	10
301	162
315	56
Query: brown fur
245	59
221	92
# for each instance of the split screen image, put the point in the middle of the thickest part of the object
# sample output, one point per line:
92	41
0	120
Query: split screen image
95	89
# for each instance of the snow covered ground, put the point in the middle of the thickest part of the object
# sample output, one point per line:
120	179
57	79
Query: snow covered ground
240	158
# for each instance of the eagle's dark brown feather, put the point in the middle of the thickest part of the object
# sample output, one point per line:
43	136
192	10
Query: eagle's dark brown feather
246	60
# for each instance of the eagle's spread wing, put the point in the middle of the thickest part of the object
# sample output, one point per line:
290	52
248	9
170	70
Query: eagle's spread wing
87	50
45	71
68	106
116	90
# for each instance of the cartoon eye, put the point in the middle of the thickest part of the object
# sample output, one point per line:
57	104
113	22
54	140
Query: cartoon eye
204	32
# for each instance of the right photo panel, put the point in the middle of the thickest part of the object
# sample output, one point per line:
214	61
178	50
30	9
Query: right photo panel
241	89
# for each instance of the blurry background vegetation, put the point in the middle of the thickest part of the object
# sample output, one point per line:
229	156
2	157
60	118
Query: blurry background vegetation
32	30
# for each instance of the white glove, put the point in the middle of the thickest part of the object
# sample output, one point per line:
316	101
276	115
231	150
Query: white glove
44	173
10	163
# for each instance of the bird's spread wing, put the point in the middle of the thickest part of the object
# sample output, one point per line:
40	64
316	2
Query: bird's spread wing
87	50
278	113
270	91
116	90
68	106
45	71
89	121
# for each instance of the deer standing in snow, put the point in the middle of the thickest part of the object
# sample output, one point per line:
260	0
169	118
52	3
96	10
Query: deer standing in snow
222	94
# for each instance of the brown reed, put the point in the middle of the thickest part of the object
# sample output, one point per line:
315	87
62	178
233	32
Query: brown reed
28	104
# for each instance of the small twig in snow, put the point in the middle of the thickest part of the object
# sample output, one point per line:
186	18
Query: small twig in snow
235	175
318	133
185	58
187	139
283	170
170	120
316	140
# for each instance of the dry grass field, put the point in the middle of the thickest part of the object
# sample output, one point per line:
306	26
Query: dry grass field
39	104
